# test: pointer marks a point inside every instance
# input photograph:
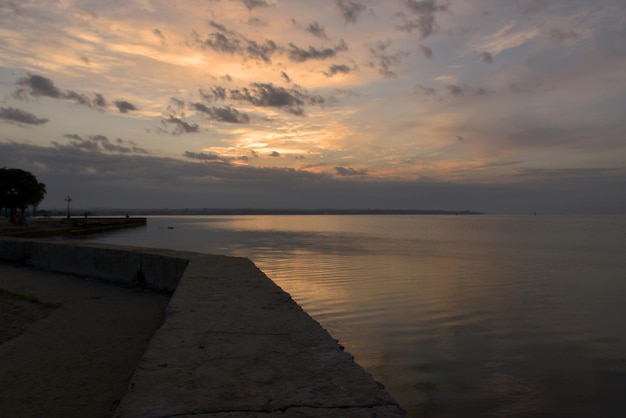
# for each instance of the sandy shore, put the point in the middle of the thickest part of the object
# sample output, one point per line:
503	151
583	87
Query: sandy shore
71	346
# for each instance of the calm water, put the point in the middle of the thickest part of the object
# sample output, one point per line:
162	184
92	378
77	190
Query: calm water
459	316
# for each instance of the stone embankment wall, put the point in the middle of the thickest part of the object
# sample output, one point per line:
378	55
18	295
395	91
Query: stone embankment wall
160	270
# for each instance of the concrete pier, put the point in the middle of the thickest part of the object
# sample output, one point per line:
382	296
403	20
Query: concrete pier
47	227
232	344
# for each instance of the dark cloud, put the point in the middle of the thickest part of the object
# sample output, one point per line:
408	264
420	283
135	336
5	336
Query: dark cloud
210	156
180	126
128	180
78	143
337	68
559	35
350	10
220	27
298	54
221	43
253	4
201	107
275	154
19	116
83	100
229	42
463	89
261	51
460	138
486	57
316	29
159	34
385	61
428	53
255	21
202	156
39	86
36	85
318	100
422	16
268	95
222	114
427	91
100	144
455	89
78	98
343	171
124	107
120	180
99	101
176	105
213	94
73	136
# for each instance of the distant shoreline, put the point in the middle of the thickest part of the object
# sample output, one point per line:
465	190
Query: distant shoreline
252	211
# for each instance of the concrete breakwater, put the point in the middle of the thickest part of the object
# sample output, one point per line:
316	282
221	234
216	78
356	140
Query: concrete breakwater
45	227
232	344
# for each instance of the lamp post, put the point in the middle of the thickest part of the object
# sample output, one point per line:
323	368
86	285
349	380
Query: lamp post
68	200
12	193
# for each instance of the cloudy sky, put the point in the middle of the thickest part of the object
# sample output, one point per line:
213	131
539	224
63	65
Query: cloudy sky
492	105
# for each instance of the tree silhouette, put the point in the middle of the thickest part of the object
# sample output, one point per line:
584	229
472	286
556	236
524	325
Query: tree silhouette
19	189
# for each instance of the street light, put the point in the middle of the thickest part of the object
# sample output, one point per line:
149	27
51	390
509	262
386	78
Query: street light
11	199
68	200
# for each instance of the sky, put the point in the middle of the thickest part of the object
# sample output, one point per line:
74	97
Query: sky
499	106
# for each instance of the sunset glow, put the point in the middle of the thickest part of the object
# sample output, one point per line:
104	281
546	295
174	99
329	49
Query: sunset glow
304	103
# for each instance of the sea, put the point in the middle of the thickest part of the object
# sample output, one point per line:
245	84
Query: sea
457	316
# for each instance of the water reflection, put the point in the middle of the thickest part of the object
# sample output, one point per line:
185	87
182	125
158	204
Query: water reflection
458	316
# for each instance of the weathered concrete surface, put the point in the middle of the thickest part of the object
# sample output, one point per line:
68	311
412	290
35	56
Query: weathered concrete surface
232	343
251	350
75	362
